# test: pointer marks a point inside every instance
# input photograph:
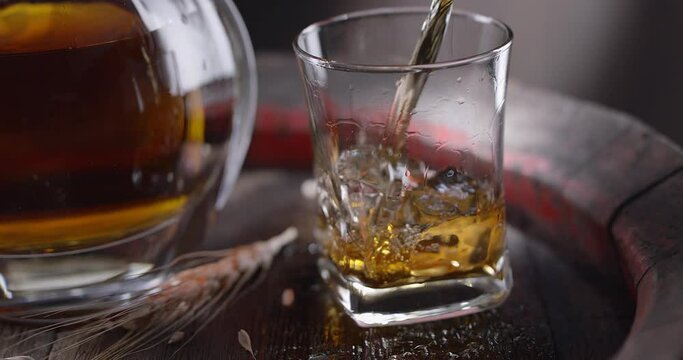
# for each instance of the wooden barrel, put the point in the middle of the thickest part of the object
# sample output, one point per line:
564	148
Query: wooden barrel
601	190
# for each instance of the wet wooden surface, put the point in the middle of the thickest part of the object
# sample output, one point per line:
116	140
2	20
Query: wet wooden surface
555	311
595	200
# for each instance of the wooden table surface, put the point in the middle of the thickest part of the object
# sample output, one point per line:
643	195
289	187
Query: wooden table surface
592	263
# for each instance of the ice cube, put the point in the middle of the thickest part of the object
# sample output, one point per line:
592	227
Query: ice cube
446	194
453	182
363	177
358	198
361	163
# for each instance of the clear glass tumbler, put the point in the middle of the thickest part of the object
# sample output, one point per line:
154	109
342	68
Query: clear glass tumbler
415	231
120	121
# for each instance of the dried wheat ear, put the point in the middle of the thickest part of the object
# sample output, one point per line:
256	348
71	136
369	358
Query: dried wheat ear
199	287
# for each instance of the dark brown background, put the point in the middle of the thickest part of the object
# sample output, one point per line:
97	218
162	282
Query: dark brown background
626	54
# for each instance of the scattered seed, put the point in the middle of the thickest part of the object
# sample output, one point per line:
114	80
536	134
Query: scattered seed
245	341
309	189
176	337
287	297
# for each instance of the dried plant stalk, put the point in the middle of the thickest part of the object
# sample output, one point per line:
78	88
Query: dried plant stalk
201	285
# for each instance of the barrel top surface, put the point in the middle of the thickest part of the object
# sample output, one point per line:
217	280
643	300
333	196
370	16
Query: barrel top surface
545	317
595	199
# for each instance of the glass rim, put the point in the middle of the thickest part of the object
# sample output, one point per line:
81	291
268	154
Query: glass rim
345	66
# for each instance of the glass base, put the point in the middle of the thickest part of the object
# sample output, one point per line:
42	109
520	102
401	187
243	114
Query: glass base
414	303
33	284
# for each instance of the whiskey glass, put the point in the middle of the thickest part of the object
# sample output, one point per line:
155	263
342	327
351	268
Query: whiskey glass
416	234
121	120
